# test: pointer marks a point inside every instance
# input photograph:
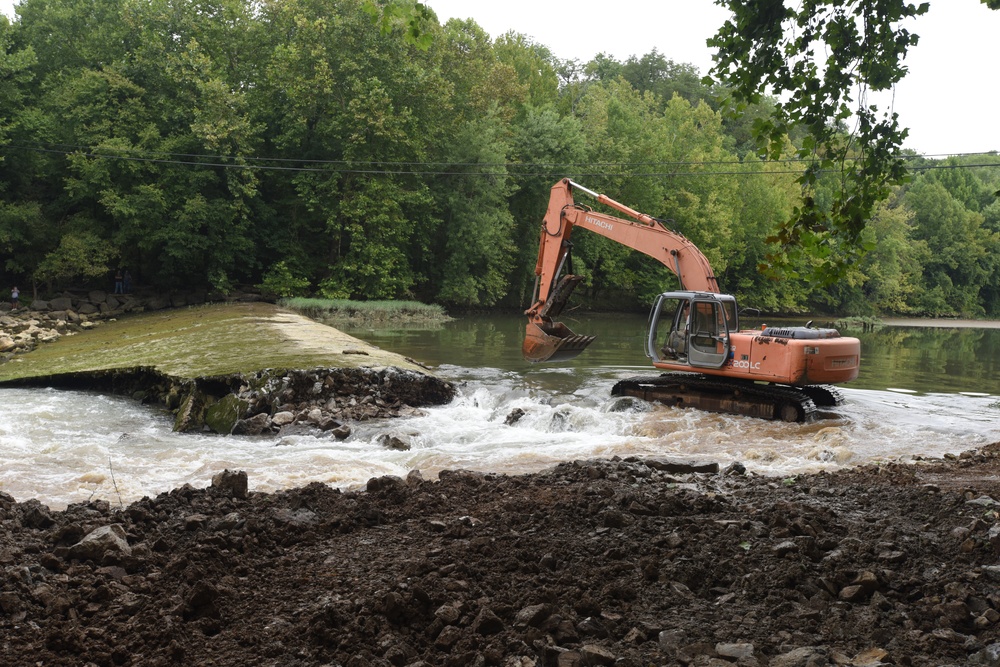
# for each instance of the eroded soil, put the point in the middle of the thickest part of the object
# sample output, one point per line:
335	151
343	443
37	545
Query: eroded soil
620	562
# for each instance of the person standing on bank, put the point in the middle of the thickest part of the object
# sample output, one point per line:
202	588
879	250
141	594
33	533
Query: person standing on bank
15	298
118	281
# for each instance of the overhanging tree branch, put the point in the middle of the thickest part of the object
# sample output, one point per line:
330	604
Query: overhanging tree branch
821	58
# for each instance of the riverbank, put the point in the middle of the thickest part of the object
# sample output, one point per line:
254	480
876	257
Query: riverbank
622	562
940	323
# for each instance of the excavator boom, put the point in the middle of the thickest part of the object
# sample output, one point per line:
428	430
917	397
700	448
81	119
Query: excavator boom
546	340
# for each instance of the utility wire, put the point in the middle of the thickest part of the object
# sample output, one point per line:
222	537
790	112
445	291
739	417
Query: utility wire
515	167
136	153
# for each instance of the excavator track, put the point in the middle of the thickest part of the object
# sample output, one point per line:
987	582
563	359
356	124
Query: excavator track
694	390
823	395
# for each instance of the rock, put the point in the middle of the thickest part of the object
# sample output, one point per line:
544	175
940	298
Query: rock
223	415
447	637
533	616
487	623
252	425
414	478
61	303
449	614
97	296
87	308
40	305
735	468
988	657
231	483
593	654
852	593
394	442
514	416
101	541
569	659
869	658
385	483
300	518
282	418
785	547
807	656
734	651
341	432
36	515
677	467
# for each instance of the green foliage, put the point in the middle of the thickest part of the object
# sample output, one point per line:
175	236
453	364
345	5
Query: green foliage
79	255
477	247
280	281
821	58
359	147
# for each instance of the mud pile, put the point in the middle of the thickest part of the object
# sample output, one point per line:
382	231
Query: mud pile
621	562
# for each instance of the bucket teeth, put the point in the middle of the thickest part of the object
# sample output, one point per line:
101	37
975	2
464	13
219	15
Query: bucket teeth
552	342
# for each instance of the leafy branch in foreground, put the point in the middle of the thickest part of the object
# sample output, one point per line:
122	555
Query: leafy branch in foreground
821	59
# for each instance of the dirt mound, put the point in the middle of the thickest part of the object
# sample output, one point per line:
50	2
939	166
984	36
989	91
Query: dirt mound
593	563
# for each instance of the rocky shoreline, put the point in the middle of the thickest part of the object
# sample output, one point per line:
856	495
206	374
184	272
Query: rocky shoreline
621	562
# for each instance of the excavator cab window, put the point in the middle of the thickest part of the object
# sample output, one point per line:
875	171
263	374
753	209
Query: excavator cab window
691	328
672	316
709	340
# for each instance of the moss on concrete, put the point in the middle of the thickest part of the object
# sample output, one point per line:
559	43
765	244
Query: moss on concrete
203	341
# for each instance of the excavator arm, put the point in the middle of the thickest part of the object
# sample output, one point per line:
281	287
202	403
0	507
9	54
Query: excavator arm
546	340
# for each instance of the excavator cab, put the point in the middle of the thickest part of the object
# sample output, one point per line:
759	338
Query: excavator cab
691	328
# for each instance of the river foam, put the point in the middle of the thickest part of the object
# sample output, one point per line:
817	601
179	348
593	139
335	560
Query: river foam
66	447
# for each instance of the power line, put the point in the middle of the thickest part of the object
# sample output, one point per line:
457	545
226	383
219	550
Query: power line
331	166
69	149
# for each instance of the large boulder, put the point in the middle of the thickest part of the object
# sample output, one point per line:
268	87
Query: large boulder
222	416
61	303
100	542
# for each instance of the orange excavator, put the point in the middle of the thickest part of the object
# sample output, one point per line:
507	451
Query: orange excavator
779	373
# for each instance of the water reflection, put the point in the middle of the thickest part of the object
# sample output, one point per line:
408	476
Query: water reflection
920	359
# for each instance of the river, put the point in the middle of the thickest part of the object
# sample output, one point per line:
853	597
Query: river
923	391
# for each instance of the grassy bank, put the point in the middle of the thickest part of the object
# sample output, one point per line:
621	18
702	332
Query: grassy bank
366	313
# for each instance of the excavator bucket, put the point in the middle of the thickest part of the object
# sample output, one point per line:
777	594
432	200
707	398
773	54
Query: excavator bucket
552	341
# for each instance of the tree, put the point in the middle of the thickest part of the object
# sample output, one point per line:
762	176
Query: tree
962	257
821	58
478	229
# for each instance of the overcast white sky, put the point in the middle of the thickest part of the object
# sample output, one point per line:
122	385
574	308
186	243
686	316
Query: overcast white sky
949	100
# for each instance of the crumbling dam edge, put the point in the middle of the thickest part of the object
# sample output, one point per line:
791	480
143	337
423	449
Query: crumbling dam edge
268	400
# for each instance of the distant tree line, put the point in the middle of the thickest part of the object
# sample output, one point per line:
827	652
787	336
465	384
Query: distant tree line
301	145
